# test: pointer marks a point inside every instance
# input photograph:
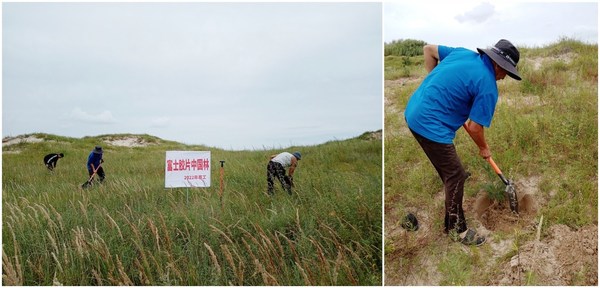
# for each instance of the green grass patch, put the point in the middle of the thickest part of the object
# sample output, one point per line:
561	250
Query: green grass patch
132	231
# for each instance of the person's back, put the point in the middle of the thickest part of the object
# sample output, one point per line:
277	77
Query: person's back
94	159
284	158
50	160
462	86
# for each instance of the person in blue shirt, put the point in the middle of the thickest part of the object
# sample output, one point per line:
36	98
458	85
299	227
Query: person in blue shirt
93	163
460	88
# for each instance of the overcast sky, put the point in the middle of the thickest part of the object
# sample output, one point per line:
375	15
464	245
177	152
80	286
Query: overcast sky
231	75
480	24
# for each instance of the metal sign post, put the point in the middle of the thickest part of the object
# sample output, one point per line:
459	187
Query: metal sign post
221	183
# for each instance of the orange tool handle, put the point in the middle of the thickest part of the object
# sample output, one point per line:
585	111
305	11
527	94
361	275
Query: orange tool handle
496	169
491	161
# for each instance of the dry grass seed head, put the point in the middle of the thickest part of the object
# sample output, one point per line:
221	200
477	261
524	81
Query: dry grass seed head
81	246
229	258
323	265
83	210
249	249
163	225
52	241
124	278
221	233
113	224
141	271
292	247
307	281
66	254
213	257
10	275
55	258
267	278
155	233
338	262
97	278
58	217
240	267
55	281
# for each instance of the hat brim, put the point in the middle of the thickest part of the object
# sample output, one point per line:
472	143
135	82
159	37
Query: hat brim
509	68
98	152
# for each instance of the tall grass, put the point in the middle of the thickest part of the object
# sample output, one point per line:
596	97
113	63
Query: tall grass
132	231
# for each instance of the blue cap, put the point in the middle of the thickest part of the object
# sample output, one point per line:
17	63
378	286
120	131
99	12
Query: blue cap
297	155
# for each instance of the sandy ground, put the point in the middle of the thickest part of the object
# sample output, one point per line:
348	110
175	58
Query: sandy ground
128	142
123	142
565	257
20	139
562	256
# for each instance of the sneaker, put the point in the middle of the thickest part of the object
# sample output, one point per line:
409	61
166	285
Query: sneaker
472	238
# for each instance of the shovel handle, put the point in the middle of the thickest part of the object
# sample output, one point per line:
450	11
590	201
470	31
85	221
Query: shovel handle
497	170
494	166
492	163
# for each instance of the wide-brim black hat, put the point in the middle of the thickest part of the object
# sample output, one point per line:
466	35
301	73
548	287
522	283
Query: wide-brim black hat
98	150
506	55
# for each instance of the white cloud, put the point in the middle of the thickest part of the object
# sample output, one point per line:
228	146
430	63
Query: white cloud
105	117
478	14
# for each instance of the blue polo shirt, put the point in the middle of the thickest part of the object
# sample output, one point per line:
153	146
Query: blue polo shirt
95	159
462	86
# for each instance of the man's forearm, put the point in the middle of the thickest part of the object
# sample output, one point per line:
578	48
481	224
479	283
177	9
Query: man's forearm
476	132
479	139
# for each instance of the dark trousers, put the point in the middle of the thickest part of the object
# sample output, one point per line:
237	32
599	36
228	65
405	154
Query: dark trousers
51	165
453	175
99	172
276	170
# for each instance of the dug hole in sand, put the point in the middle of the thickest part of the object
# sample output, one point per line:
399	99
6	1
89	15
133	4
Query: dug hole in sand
562	257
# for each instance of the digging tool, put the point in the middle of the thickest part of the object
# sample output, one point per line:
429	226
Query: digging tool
510	190
89	182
